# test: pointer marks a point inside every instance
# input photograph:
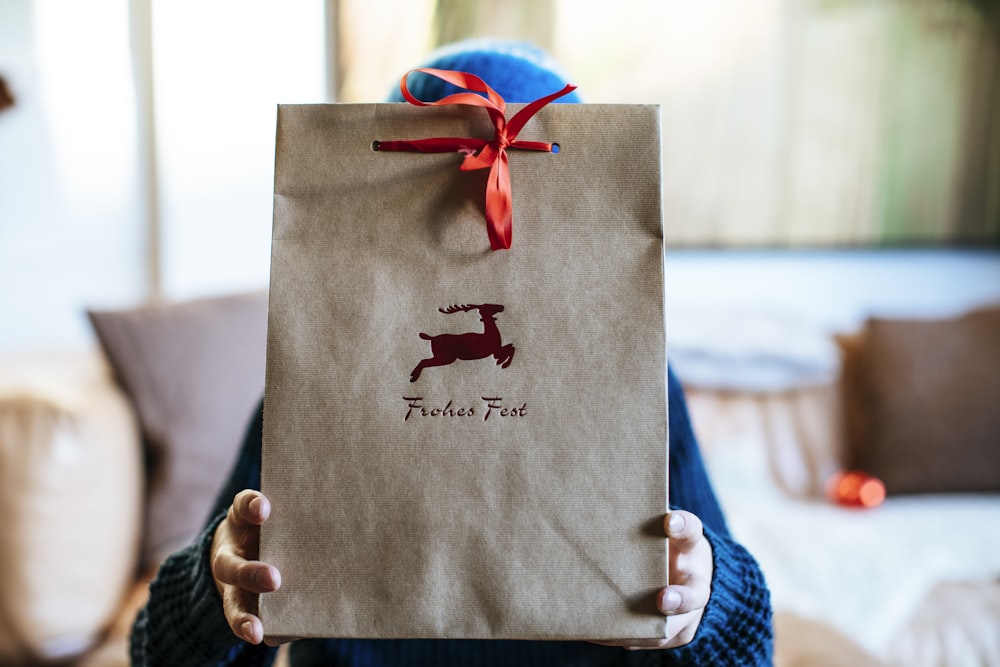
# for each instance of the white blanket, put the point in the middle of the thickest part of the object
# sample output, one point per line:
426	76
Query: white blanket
865	572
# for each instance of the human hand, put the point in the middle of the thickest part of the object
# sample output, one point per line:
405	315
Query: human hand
238	575
684	600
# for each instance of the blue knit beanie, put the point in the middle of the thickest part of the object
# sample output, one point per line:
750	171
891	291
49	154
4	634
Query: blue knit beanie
518	71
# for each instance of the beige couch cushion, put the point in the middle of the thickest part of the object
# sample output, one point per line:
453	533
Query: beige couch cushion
807	642
70	498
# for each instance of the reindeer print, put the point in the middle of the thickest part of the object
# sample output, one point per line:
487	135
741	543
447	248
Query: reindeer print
448	348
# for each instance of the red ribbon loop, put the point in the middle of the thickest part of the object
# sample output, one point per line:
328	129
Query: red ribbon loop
479	153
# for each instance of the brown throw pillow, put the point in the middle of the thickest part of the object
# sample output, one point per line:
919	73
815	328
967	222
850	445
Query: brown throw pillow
922	402
194	371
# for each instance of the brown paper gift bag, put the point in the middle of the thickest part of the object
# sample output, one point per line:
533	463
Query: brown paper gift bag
460	442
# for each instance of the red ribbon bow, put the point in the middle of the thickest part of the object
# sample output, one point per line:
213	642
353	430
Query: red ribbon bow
481	153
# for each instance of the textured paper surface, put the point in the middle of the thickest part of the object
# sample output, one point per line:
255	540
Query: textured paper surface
484	499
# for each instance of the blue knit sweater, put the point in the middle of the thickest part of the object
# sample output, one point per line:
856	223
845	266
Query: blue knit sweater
183	625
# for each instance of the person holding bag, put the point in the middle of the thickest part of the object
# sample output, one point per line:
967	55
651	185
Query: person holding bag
202	606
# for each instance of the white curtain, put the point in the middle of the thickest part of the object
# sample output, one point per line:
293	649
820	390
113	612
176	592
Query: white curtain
137	162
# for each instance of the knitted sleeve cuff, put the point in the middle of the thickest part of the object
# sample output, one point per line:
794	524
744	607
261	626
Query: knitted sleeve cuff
735	629
183	623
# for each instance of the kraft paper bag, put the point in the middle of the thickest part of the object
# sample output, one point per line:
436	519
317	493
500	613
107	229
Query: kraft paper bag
461	442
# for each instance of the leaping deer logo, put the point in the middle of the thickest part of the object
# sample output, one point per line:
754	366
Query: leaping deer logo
448	348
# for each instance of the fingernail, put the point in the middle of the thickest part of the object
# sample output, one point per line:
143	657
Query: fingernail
671	601
274	578
254	505
676	524
247	630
